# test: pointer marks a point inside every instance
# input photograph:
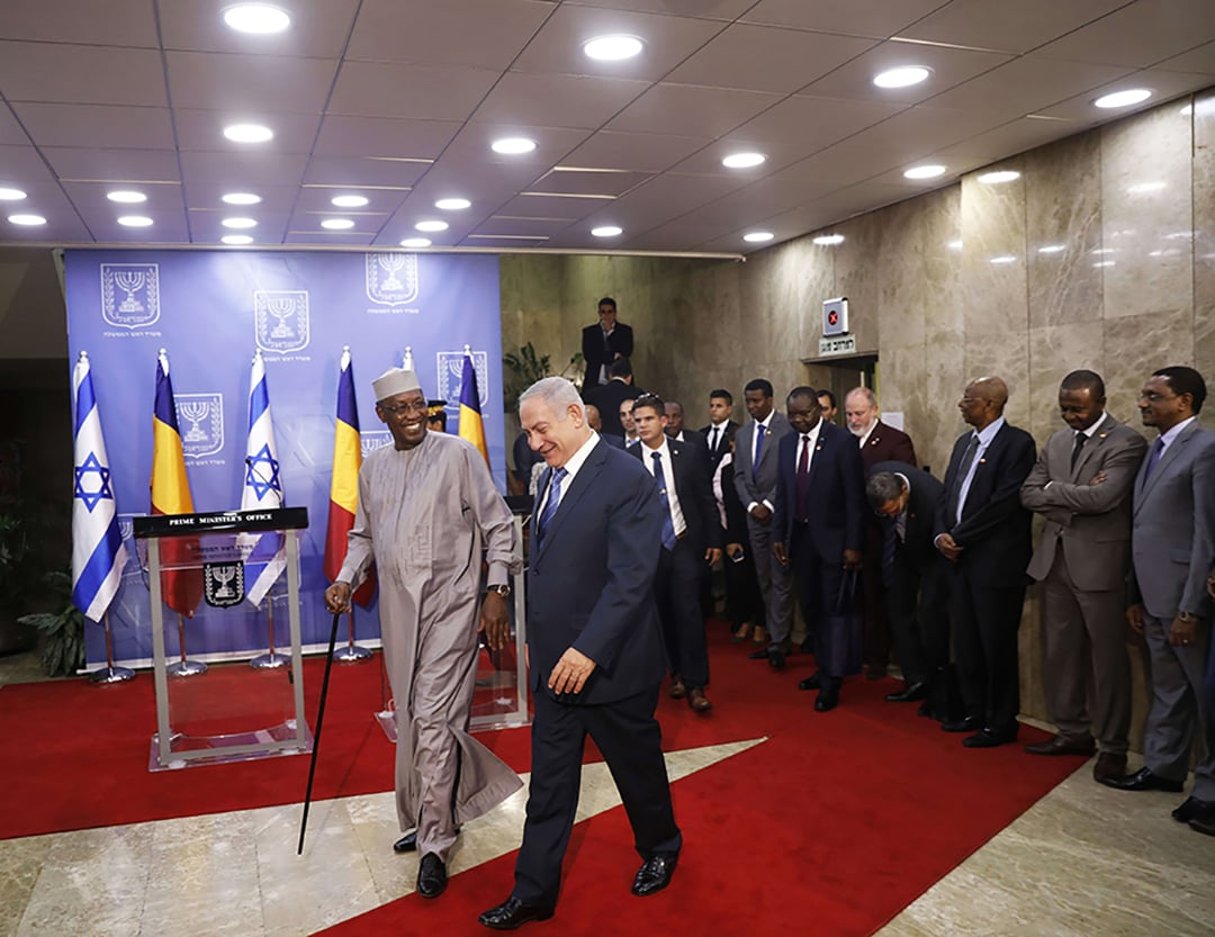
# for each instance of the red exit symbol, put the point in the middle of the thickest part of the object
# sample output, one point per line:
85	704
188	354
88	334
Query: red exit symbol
833	318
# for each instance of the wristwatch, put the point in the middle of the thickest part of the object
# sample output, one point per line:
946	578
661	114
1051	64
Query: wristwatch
502	590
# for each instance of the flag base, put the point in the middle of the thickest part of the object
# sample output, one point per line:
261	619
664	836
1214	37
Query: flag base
352	653
111	675
270	661
186	668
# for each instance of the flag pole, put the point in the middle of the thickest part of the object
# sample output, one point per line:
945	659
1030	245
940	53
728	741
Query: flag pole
184	668
316	738
110	674
273	659
351	653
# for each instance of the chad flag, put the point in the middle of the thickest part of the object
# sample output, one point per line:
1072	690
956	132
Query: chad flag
472	427
181	581
344	486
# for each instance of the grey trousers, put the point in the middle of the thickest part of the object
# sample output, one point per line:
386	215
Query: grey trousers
1178	714
1085	660
775	582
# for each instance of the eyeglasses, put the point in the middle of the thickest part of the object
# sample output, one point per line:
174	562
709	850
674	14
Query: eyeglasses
411	406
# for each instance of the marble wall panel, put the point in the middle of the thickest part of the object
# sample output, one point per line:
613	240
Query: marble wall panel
1136	346
994	281
858	261
1147	213
1054	351
1063	228
1006	357
1202	115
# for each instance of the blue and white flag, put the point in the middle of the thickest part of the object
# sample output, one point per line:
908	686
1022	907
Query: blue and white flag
98	555
263	489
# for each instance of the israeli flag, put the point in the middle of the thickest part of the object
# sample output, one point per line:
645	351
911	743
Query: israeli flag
98	555
263	490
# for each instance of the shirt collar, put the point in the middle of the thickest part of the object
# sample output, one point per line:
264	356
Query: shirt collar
574	462
664	449
988	433
814	433
1176	431
1092	430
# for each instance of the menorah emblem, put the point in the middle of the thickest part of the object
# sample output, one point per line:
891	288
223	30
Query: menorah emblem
392	279
129	281
224	576
195	411
281	320
223	584
139	285
205	415
392	263
280	307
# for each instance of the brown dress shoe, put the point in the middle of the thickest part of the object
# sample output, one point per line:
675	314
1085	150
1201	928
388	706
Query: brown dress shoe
698	701
1064	745
1109	765
678	690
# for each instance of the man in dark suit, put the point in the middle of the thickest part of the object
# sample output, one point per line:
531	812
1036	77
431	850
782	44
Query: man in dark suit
914	574
608	397
721	428
818	530
878	443
691	538
595	420
983	530
604	342
595	648
755	450
1172	547
1082	488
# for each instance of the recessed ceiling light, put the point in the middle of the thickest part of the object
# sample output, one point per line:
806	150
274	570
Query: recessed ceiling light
758	237
237	239
1123	98
1004	259
337	224
452	204
743	160
239	223
242	198
135	221
613	48
513	146
126	197
416	242
903	77
349	201
928	171
431	226
607	231
258	18
999	176
11	195
1142	187
27	220
248	133
829	240
1052	249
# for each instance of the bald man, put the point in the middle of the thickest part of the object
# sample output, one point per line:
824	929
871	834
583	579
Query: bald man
984	532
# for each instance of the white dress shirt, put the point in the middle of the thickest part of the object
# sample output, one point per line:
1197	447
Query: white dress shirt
667	481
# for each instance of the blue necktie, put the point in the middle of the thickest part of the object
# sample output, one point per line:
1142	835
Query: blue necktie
668	525
553	502
1154	457
760	429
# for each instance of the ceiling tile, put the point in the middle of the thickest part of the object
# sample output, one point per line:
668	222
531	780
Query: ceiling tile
814	123
578	101
763	58
381	136
1011	27
506	244
692	110
708	160
469	155
247	86
91	196
97	125
876	18
644	152
73	74
705	9
540	206
114	165
241	171
48	200
207	227
10	131
1200	60
379	201
21	166
317	29
113	23
208	196
1164	85
329	238
365	223
589	183
1006	140
420	92
662	200
476	33
1139	34
169	225
204	130
350	170
522	226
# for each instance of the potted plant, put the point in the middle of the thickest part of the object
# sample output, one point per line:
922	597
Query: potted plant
15	550
62	631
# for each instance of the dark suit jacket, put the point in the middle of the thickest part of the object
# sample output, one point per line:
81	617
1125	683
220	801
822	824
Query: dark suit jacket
608	398
590	583
723	443
995	528
694	488
916	551
616	442
887	444
620	341
837	493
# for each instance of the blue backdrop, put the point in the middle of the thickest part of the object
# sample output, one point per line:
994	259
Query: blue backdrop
211	310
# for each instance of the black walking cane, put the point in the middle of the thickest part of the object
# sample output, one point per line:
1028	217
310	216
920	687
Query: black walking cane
316	739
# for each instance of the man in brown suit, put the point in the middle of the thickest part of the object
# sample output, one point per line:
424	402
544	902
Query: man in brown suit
879	442
1082	485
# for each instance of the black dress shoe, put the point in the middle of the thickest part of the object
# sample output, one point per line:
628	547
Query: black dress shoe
655	874
828	697
1144	780
761	654
990	738
1204	825
912	693
432	876
927	710
1193	808
407	843
513	913
812	682
966	724
776	658
1064	745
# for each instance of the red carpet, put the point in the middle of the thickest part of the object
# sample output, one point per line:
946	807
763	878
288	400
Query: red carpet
833	825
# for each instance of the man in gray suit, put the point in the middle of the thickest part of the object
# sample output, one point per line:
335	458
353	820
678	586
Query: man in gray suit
755	447
1172	548
1081	486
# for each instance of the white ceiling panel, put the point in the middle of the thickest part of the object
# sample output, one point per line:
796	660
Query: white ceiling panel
705	9
96	125
43	198
365	223
470	154
242	170
112	23
11	133
420	92
814	123
655	203
91	197
589	183
204	130
381	136
1006	140
692	110
875	18
350	170
208	196
168	225
379	201
74	74
318	28
84	164
1164	85
330	238
761	58
644	152
208	228
579	101
476	33
1200	60
249	85
506	244
1139	34
1010	27
522	226
22	167
708	160
563	208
